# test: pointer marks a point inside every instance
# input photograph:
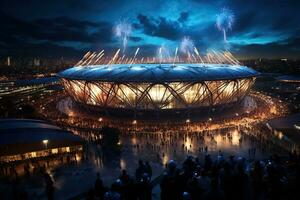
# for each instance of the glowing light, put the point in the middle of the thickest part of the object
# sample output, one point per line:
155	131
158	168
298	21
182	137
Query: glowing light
219	140
133	141
194	93
235	138
54	151
122	164
187	45
163	54
45	142
175	56
188	143
71	114
159	93
135	54
147	95
123	31
279	134
225	21
165	159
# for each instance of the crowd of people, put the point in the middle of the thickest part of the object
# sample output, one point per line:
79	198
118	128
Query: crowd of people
126	187
220	178
199	177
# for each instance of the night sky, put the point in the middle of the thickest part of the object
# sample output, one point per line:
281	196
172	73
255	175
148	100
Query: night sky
262	28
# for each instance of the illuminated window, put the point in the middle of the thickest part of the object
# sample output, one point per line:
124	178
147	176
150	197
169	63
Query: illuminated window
67	149
54	151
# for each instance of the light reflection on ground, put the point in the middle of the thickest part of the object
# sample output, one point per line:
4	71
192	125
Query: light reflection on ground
158	146
228	135
158	149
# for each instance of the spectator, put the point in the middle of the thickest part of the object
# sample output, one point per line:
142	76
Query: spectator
99	188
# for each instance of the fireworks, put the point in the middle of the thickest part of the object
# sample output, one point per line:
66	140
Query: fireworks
225	21
163	56
123	31
185	52
187	46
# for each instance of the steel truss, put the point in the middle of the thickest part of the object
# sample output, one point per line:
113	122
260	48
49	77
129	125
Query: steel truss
173	95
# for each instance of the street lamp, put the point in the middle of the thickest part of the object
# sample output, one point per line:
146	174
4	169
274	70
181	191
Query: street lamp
45	142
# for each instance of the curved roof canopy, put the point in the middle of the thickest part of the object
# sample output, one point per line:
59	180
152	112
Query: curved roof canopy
28	131
158	72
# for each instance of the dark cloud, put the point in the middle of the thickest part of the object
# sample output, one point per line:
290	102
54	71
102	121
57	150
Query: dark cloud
289	48
244	22
57	29
135	39
183	17
51	32
160	27
264	27
44	49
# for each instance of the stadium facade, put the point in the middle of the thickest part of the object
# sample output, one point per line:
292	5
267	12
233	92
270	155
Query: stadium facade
158	86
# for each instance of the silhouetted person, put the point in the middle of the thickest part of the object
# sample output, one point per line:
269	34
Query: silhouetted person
114	193
99	188
226	181
49	186
139	171
273	183
148	169
145	188
240	183
128	186
169	185
193	189
257	181
214	193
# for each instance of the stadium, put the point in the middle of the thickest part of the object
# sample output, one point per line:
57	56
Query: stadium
158	87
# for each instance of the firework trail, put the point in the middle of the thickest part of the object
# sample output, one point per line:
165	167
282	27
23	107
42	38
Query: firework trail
135	54
123	31
187	46
175	56
163	54
198	54
224	21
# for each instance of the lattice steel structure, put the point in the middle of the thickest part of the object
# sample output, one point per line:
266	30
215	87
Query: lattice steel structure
158	86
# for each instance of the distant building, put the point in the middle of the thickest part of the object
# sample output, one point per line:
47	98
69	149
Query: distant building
23	139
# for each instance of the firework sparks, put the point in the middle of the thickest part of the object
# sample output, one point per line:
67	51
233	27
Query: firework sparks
123	31
224	21
187	46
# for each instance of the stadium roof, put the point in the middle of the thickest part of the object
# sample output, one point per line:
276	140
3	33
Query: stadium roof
288	78
26	135
289	122
158	72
